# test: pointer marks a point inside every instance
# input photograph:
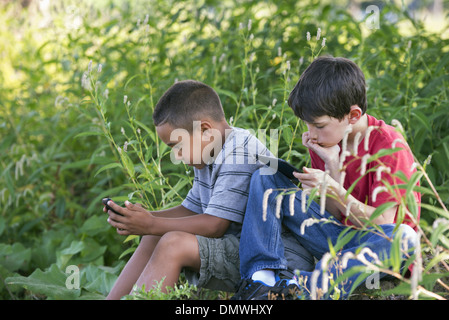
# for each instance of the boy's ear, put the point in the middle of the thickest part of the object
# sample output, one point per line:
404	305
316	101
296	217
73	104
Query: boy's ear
205	125
355	114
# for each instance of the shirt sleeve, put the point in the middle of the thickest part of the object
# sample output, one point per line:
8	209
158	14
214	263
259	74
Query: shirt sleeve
230	194
193	200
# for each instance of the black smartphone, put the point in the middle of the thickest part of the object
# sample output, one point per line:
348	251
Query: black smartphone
283	166
105	202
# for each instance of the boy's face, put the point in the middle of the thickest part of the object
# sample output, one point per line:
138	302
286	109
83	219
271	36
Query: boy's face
327	131
191	148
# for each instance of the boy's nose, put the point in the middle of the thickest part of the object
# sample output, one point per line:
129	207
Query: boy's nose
313	134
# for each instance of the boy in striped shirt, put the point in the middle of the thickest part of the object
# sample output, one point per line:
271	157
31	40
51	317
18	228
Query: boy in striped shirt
200	236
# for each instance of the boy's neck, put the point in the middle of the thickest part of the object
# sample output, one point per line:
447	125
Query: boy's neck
224	129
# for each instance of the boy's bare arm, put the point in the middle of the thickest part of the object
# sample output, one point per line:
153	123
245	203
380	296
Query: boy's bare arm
136	220
175	212
338	202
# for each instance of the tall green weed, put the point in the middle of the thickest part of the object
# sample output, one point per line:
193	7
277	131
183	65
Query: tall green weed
64	125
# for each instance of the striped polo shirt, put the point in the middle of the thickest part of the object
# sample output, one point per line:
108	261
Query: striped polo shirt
221	188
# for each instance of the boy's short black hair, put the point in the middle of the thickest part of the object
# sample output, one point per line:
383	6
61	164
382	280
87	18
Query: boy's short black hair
187	101
329	86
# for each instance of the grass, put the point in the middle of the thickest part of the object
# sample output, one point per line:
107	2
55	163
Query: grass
64	122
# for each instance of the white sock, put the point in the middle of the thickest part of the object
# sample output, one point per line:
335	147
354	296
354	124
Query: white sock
265	276
294	281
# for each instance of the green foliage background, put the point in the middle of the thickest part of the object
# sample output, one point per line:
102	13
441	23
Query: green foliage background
58	142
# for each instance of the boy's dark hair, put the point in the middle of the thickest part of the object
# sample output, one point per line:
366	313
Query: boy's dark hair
329	86
187	101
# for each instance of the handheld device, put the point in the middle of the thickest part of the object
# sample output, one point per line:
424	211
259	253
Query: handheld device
105	202
283	166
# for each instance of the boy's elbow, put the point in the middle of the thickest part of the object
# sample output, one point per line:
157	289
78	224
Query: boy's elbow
218	227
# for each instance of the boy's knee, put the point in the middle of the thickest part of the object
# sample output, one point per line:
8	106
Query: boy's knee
175	243
171	240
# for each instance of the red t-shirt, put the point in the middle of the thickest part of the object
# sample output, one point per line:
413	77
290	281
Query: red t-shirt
382	136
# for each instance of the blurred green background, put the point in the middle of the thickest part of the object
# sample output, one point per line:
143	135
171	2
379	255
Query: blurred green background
52	134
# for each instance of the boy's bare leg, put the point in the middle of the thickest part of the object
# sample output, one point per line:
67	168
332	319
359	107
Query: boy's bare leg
174	251
134	267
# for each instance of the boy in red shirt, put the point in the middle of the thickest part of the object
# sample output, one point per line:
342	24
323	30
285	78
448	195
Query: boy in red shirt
330	97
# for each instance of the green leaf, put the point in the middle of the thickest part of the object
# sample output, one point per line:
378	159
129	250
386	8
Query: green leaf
436	210
109	166
51	283
381	209
89	133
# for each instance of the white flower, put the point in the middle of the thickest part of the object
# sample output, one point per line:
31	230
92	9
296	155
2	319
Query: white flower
344	143
323	193
367	134
85	82
291	204
324	42
313	281
279	199
125	98
318	34
274	102
398	125
122	130
357	137
89	66
304	200
252	57
265	203
250	23
413	166
288	65
308	36
279	51
342	179
106	93
348	207
307	223
100	67
363	164
393	145
381	169
376	191
125	146
438	221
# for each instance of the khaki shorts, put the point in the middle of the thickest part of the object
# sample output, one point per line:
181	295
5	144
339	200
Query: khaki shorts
220	262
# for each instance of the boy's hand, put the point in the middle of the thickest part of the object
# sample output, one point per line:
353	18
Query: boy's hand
312	178
134	219
330	155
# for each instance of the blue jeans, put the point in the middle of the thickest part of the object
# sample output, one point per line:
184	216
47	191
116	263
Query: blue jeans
261	245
